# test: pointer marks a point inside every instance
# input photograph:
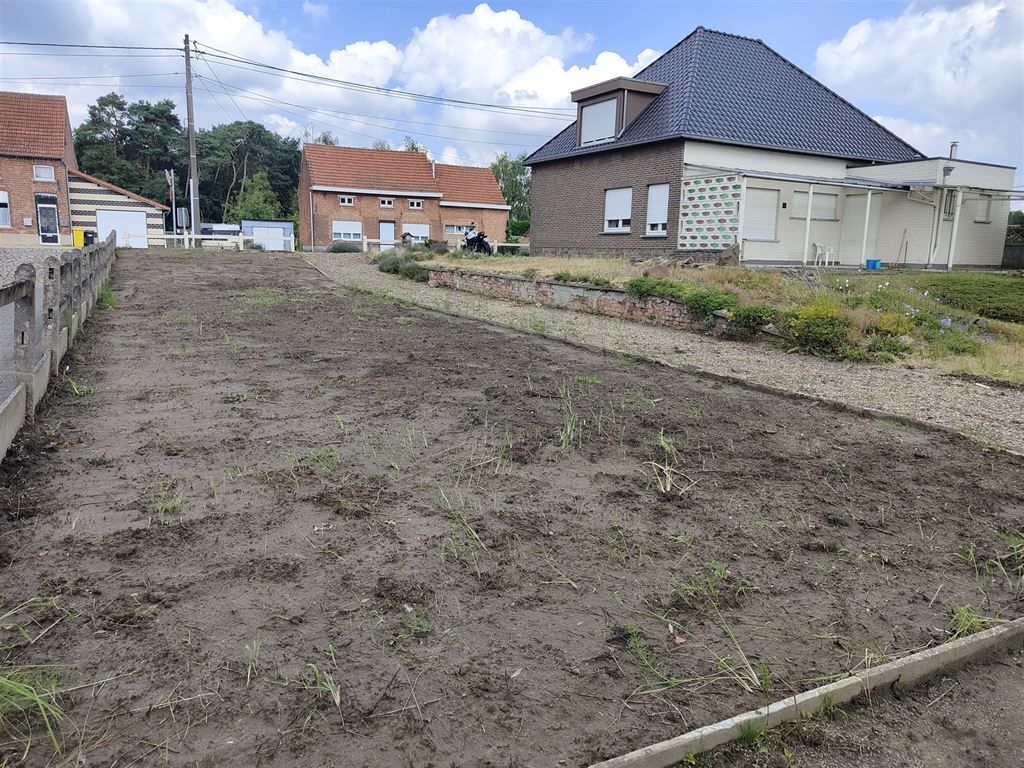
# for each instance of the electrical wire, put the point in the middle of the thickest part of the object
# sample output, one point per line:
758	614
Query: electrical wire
550	111
84	45
207	63
91	77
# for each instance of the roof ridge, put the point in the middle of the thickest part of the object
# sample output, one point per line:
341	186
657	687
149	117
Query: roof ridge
824	87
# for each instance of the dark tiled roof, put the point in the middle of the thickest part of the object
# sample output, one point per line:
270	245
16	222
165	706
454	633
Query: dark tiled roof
736	90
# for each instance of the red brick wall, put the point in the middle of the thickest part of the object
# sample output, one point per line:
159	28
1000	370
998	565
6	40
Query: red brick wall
601	301
567	202
16	180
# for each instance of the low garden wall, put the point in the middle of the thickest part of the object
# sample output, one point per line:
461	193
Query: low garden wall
613	302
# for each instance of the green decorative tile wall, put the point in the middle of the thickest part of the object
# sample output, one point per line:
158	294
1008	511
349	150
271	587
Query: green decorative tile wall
709	212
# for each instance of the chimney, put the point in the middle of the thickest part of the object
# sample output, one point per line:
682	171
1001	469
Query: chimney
952	149
433	168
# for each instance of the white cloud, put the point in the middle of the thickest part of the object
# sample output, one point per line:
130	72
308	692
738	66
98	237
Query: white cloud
483	55
316	11
939	74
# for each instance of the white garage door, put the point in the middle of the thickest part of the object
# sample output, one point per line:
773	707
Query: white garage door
271	238
125	223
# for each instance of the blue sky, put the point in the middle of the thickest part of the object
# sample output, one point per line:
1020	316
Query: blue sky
932	72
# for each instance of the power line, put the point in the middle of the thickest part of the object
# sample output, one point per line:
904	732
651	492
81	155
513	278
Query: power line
94	55
90	77
271	101
551	111
83	45
354	115
207	63
15	81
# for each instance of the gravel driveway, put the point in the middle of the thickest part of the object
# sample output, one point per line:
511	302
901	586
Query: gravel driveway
992	415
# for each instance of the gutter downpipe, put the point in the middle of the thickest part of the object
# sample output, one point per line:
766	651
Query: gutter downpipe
807	226
956	226
864	241
310	220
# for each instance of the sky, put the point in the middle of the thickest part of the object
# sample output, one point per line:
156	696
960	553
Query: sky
931	72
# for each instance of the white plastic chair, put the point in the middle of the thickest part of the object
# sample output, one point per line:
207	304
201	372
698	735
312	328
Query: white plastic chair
823	254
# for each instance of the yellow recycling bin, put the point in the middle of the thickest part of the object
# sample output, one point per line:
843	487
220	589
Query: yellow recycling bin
78	236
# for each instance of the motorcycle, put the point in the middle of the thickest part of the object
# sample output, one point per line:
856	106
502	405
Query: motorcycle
478	242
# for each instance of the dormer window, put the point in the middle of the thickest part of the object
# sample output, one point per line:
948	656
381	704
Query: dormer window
598	122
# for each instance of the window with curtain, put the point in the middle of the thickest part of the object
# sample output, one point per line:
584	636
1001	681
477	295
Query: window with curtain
5	210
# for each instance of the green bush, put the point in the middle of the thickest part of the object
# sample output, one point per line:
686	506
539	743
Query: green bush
887	348
564	276
658	286
413	271
517	227
745	322
529	273
821	329
340	246
893	324
390	263
946	341
703	301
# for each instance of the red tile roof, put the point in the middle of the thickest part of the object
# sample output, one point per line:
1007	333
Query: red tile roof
354	168
108	185
465	184
398	171
33	125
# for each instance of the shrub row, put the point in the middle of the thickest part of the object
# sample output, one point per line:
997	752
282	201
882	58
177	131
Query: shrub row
404	265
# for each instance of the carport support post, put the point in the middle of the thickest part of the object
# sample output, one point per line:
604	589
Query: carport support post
807	226
864	242
956	227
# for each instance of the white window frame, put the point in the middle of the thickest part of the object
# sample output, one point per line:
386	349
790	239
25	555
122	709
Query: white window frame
37	177
820	198
387	202
657	210
614	208
949	205
416	205
5	209
596	112
346	200
775	218
456	229
983	207
417	238
342	229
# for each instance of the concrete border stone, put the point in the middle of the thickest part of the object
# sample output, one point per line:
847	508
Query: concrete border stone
904	672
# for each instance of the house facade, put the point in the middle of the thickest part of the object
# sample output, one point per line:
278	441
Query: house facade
357	195
722	141
36	154
43	195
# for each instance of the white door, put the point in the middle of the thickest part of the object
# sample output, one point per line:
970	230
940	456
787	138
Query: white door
387	235
125	223
852	240
271	238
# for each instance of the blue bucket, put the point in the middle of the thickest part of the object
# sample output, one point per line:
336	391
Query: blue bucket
874	263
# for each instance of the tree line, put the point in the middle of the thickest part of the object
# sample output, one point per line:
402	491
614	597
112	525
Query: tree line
245	171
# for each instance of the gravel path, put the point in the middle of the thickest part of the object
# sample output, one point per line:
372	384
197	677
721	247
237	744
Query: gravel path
991	415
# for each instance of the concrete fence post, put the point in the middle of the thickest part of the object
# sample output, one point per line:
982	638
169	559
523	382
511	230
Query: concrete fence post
25	343
76	289
51	310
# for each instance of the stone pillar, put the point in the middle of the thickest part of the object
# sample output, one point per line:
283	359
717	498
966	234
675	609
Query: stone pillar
76	288
52	310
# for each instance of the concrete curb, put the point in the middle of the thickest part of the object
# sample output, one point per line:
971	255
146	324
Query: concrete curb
906	672
835	405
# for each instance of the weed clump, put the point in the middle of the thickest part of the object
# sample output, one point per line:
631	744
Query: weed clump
745	322
822	329
404	265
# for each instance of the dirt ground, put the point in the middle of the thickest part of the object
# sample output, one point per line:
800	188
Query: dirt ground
964	719
288	524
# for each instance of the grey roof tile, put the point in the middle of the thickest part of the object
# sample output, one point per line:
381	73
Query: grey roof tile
736	90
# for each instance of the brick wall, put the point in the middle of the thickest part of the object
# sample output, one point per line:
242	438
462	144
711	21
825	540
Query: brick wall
367	210
16	180
600	301
567	202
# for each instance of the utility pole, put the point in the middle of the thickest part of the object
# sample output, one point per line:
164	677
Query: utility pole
193	165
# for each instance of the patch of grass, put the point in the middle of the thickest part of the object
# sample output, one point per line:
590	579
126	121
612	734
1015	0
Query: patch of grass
709	588
586	278
251	653
78	389
537	325
750	734
323	459
324	685
820	328
163	501
640	650
261	297
965	620
530	273
26	693
746	322
999	297
106	299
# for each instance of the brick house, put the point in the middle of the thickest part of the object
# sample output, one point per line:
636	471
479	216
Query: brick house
36	154
42	192
352	194
723	141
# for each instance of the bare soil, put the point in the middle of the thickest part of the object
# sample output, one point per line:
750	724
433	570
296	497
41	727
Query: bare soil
291	524
962	719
